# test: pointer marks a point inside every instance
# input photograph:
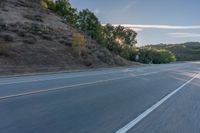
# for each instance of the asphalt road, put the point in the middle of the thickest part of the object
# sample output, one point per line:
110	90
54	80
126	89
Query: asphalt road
150	99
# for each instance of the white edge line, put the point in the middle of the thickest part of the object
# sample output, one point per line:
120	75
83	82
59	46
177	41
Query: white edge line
131	124
57	88
75	85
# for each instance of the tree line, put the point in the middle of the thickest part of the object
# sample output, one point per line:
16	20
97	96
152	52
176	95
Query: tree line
117	39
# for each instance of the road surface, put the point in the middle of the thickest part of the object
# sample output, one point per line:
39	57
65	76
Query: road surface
150	99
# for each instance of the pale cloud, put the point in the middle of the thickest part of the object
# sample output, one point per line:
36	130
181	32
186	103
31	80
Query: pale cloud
133	28
96	11
184	35
137	29
130	4
178	27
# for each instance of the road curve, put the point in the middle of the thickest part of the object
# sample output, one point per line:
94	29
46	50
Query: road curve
150	99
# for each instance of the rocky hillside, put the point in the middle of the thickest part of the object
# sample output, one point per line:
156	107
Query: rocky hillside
35	39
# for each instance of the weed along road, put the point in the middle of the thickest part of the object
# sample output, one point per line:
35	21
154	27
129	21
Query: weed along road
149	99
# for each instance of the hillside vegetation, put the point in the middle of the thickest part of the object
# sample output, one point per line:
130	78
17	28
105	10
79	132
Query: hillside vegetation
33	38
46	35
189	51
119	40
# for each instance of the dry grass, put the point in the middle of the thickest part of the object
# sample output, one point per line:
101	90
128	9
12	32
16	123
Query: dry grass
78	44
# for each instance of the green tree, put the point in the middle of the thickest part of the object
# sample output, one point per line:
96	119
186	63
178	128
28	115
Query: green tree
130	37
126	35
120	40
64	9
109	39
89	23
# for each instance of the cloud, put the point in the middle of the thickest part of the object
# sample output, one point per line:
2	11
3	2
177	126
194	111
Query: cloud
137	29
130	4
97	11
172	27
184	35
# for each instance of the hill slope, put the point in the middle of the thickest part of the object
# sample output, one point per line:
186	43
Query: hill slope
33	39
189	51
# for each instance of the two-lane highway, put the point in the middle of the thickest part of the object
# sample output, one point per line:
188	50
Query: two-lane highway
150	99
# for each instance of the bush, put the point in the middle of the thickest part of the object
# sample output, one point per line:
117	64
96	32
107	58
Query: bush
129	53
164	56
30	40
7	37
3	49
78	43
1	3
156	56
44	4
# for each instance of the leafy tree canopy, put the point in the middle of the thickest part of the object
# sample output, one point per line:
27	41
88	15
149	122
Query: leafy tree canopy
88	22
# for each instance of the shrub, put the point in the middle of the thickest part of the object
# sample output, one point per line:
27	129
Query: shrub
129	53
44	4
7	37
49	4
30	40
1	3
78	43
36	1
156	56
3	49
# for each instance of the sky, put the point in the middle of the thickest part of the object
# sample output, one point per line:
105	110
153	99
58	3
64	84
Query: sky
156	21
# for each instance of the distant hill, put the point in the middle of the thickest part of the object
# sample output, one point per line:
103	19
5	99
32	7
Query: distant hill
33	38
189	51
